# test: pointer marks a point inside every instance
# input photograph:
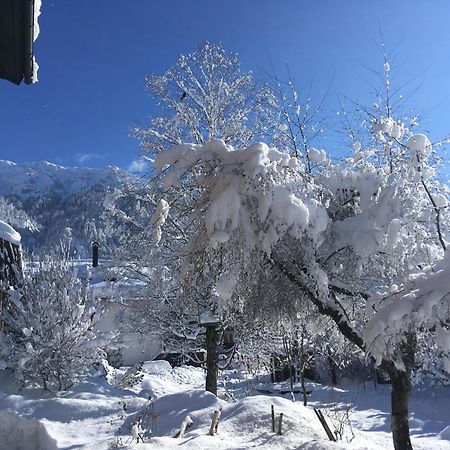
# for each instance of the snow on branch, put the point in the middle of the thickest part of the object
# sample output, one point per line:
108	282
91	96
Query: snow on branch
258	190
423	301
159	218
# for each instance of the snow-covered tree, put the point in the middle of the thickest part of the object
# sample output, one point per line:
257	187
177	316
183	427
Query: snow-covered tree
339	233
206	96
386	226
301	119
48	327
203	96
219	210
335	237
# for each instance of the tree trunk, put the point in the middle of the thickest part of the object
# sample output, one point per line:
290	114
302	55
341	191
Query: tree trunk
401	392
288	351
291	379
303	367
211	359
332	367
302	381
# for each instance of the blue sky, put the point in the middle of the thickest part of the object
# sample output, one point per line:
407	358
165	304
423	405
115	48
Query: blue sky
94	56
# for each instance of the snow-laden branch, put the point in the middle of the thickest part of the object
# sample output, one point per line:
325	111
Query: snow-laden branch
423	301
257	190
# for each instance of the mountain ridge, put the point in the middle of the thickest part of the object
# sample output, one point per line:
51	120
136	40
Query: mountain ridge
64	202
20	178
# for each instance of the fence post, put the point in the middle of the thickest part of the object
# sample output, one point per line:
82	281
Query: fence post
280	421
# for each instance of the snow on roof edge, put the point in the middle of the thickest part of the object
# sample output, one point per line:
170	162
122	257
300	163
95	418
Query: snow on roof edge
36	30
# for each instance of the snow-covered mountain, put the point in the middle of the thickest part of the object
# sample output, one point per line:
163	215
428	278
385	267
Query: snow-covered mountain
61	201
35	179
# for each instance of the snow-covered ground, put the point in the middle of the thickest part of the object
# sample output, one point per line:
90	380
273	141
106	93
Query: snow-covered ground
92	416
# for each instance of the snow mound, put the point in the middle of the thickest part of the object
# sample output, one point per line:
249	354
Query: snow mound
445	433
161	379
172	411
244	424
92	416
9	234
159	367
17	433
250	419
318	445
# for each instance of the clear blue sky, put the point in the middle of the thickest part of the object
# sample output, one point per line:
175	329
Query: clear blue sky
94	55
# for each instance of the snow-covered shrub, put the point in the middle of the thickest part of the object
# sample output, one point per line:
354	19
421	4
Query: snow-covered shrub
132	376
50	324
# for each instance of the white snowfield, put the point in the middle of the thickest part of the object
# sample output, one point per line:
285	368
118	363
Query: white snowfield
91	415
9	234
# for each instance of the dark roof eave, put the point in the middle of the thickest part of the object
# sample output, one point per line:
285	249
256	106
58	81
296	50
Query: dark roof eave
16	40
29	40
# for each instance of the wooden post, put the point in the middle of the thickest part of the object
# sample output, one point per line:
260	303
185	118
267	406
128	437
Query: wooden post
280	421
325	426
211	358
184	426
214	422
95	246
273	419
211	324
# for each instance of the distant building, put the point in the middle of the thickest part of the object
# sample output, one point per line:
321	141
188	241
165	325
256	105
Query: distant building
115	328
128	346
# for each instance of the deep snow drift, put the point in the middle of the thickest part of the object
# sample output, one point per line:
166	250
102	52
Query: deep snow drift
92	414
